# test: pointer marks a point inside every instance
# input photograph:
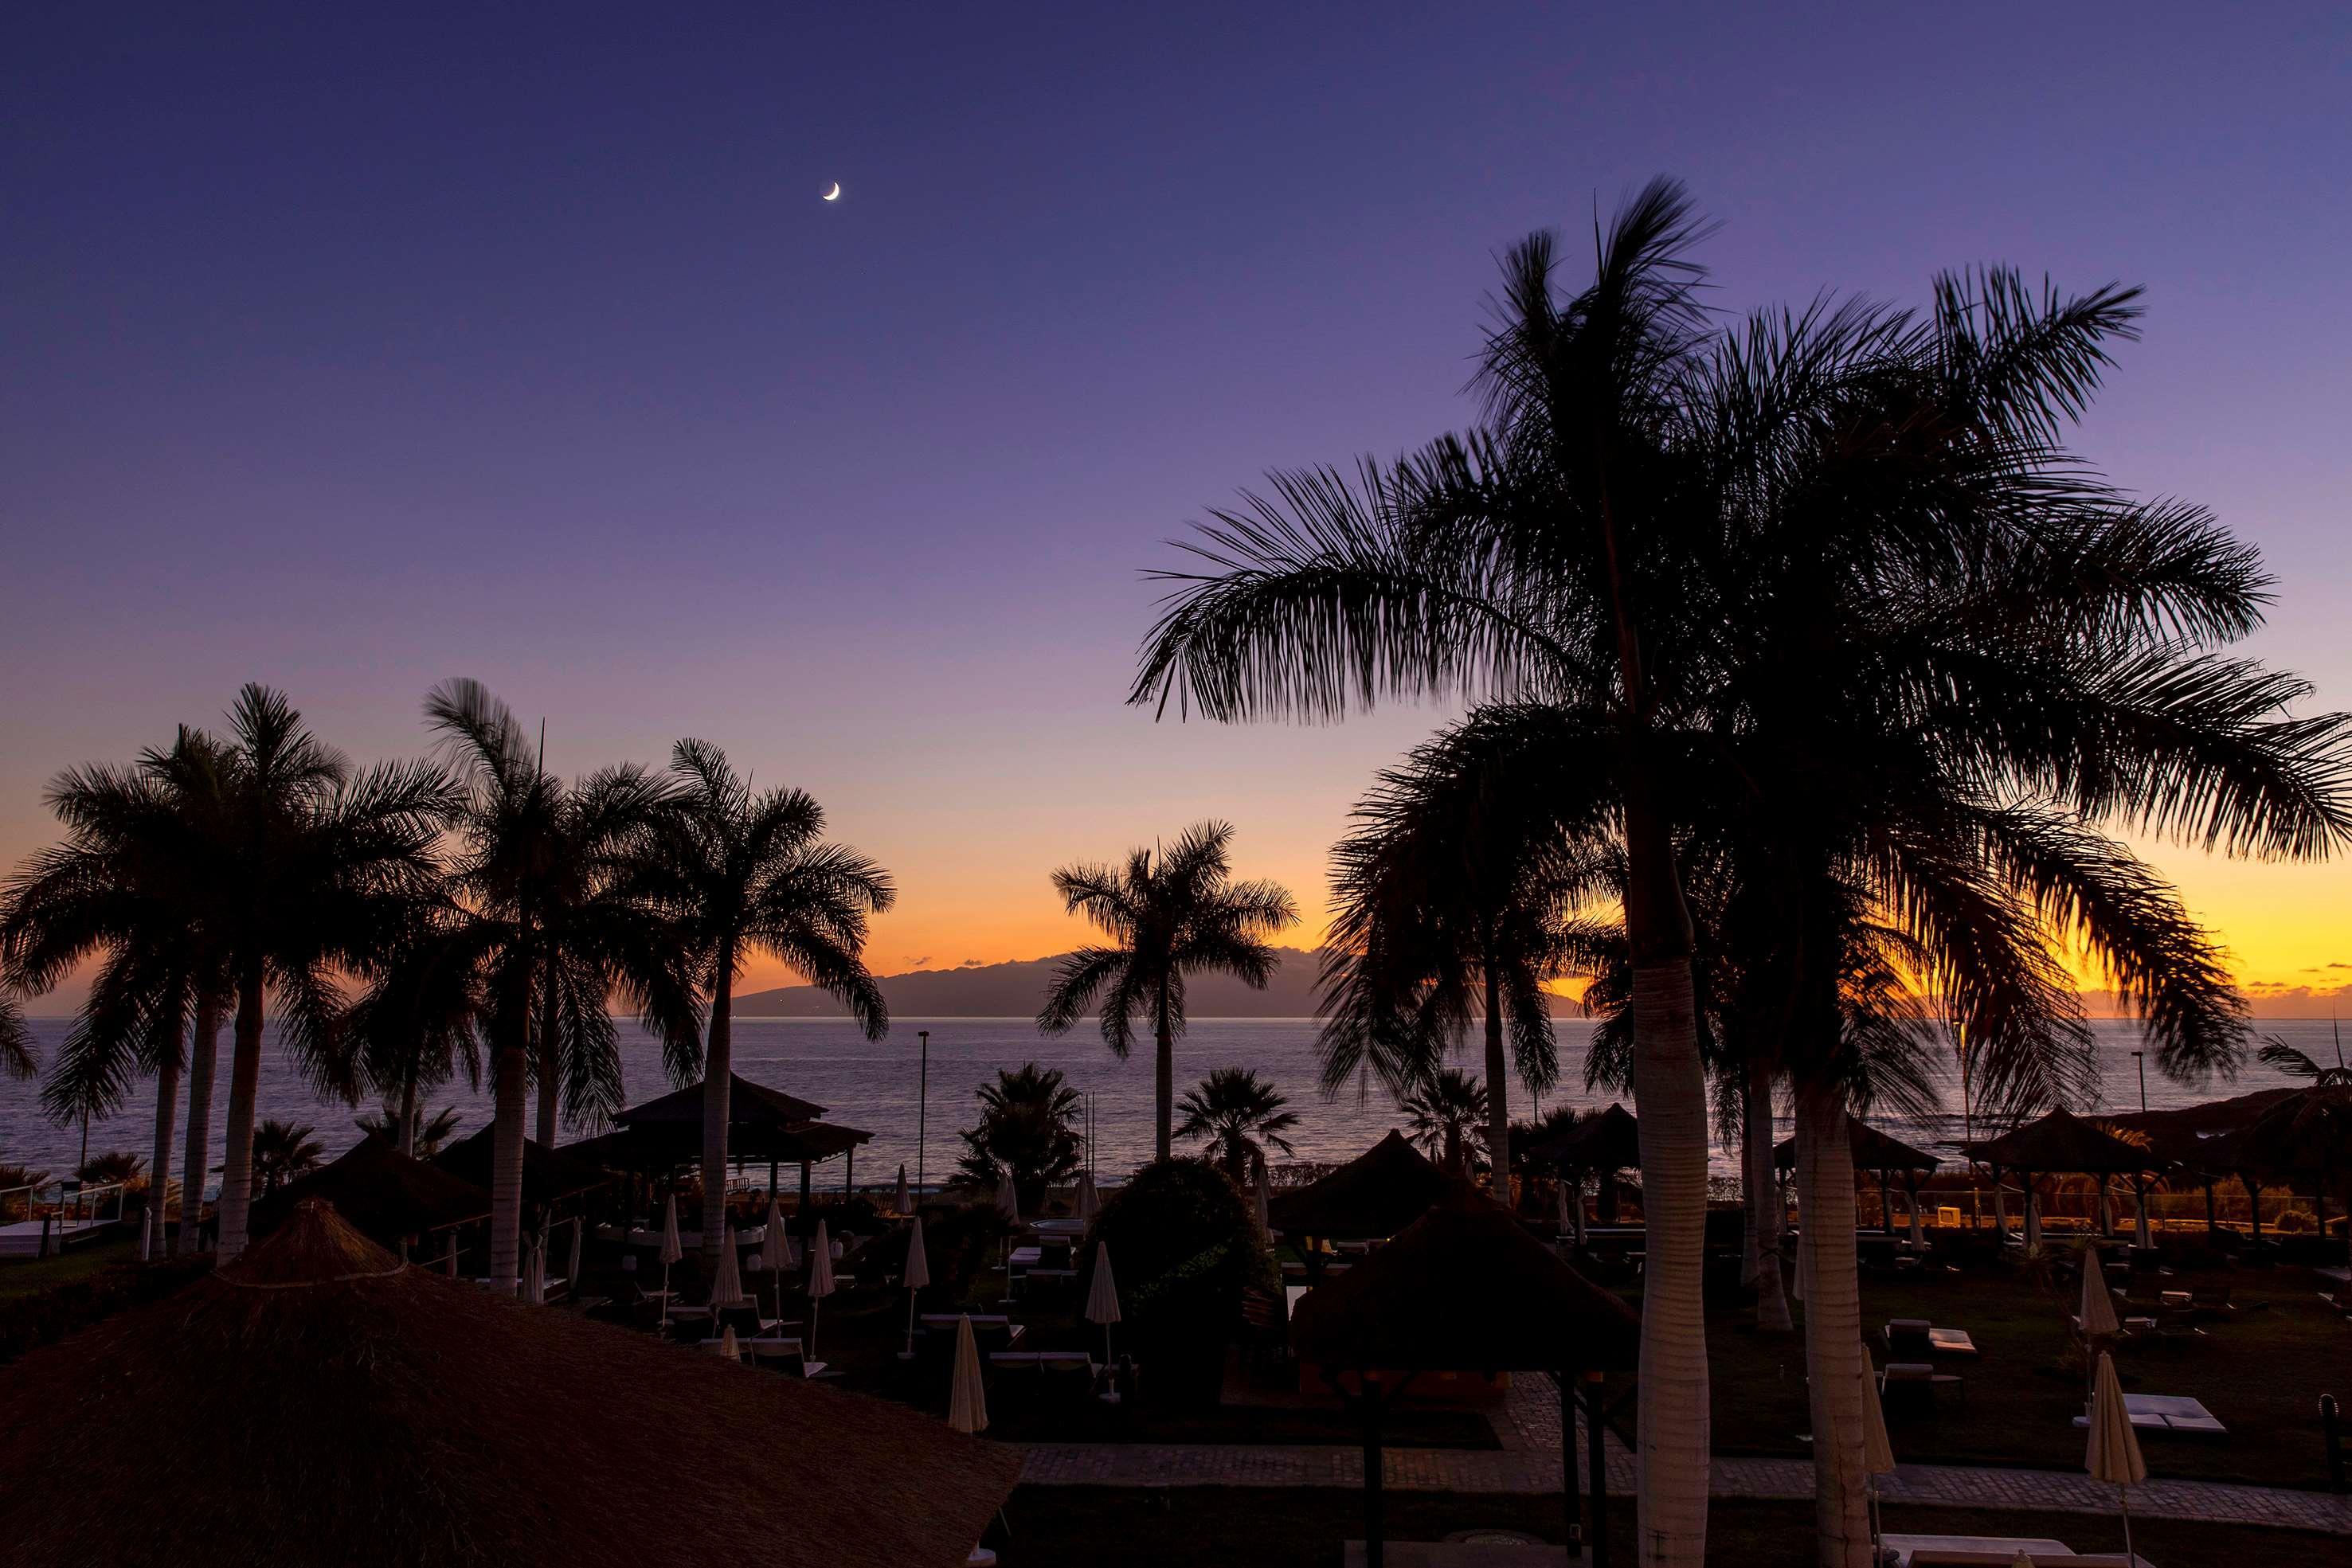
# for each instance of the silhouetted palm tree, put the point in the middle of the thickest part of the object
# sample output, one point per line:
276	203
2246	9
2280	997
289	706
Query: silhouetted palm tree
1171	915
1238	1115
17	1056
1446	1114
282	1151
1551	555
419	1139
1028	1128
746	874
543	927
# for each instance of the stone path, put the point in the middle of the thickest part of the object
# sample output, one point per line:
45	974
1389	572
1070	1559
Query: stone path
1529	1462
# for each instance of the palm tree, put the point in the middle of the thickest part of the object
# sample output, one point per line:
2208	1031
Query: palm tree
1171	915
746	874
282	1151
1446	1113
542	927
417	1139
1457	898
17	1057
1548	555
1028	1128
115	1167
1238	1115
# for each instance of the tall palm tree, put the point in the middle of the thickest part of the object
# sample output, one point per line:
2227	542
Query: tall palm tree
746	874
17	1059
1458	898
1549	555
282	1151
1028	1129
1447	1112
1171	915
542	924
1239	1115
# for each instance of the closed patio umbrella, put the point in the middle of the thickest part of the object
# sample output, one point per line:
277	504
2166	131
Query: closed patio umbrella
2032	1218
1571	1216
579	1252
670	1251
1102	1296
2099	1320
776	1248
1088	1200
967	1399
2139	1218
1877	1451
727	1346
2113	1454
900	1202
727	1289
820	1278
1008	1201
918	1275
534	1274
1262	1198
1918	1238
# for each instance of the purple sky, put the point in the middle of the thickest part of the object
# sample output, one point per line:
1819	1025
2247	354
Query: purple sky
352	353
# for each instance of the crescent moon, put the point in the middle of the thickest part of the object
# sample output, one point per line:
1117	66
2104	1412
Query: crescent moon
833	194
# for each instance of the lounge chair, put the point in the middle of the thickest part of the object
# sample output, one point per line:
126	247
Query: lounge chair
2212	1301
1915	1339
1914	1383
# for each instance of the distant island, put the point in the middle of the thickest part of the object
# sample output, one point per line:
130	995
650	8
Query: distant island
1014	989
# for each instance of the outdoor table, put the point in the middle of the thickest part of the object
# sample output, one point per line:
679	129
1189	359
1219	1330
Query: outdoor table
1027	1257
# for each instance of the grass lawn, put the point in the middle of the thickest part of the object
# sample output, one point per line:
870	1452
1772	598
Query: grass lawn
2261	1372
27	1278
1303	1527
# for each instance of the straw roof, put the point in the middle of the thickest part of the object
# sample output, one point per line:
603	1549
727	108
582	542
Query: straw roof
1378	1193
1873	1151
546	1174
2182	1135
1464	1289
2062	1143
748	1105
324	1404
2304	1139
381	1193
1609	1140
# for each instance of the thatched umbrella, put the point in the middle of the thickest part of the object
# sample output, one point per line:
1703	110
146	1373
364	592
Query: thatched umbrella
1876	1154
1377	1194
1464	1289
1600	1145
287	1382
384	1195
2059	1143
549	1176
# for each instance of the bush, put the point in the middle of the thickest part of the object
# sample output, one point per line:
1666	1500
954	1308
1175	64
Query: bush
30	1322
1182	1250
959	1242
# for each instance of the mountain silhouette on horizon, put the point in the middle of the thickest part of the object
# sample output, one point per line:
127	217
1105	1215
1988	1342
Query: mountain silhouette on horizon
1016	990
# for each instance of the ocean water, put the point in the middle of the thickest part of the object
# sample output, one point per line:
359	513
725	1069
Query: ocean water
877	1085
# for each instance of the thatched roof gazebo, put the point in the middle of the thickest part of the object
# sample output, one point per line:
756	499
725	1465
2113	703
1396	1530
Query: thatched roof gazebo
549	1176
1606	1141
763	1124
326	1404
2062	1144
1880	1154
1465	1288
2303	1141
1377	1194
381	1193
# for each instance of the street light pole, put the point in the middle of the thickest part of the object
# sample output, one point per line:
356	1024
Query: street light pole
2139	1059
922	1105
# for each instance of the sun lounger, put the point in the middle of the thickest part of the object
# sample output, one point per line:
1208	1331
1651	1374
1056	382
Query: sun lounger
1996	1552
2211	1300
1917	1380
2168	1413
1915	1339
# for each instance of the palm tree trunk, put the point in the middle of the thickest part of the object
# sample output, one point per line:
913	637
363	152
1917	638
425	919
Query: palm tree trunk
549	1067
408	1113
718	1076
1164	1082
159	1163
512	1100
205	1051
1498	1094
244	1085
1764	1201
1835	1355
1670	1097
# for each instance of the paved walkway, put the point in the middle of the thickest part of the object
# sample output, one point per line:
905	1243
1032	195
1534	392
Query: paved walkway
1529	1462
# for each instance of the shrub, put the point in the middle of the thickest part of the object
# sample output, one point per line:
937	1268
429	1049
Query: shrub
1182	1250
33	1320
958	1242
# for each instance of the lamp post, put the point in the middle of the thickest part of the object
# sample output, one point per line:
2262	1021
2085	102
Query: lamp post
922	1104
2139	1059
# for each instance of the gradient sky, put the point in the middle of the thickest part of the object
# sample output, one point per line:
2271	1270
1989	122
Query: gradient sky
349	352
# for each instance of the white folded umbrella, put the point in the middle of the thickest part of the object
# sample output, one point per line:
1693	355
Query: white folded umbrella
726	1345
1102	1296
776	1249
534	1274
1877	1451
1918	1238
967	1398
1262	1201
579	1250
820	1278
2113	1454
918	1275
671	1251
1008	1202
900	1201
2099	1320
727	1289
1088	1200
2139	1218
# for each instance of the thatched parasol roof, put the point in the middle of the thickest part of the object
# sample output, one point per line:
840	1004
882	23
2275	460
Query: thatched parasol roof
546	1174
2186	1134
380	1193
1464	1289
2304	1139
2064	1144
748	1105
1607	1140
1378	1193
323	1404
1873	1151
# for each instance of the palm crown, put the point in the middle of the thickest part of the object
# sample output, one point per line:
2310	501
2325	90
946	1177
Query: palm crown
1238	1115
1171	915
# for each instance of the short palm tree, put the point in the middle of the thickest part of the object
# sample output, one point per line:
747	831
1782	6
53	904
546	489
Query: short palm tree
419	1139
745	875
1028	1128
1446	1114
539	926
1171	915
1239	1115
282	1151
115	1167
